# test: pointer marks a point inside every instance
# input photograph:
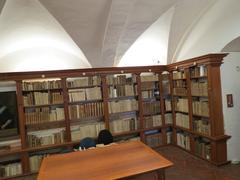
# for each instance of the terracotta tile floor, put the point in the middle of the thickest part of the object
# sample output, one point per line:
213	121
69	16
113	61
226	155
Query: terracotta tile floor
188	167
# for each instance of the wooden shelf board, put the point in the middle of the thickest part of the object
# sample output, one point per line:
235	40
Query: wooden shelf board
40	90
122	98
84	101
44	105
44	125
84	87
126	133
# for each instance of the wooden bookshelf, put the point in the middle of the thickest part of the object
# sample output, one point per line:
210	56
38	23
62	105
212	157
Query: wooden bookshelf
206	132
84	101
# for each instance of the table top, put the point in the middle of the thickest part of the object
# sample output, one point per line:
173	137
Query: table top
111	162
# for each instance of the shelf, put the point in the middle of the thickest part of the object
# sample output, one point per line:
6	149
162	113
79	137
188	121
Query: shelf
151	99
126	133
87	119
85	101
122	84
45	147
199	96
152	114
44	105
184	129
178	79
198	115
122	114
196	134
168	125
152	128
122	98
45	125
10	151
18	176
41	90
182	95
181	112
198	77
84	87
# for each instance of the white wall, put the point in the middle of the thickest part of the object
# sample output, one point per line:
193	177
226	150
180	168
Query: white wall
230	78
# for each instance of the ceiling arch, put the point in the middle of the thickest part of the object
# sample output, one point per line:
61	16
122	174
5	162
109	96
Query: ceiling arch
105	30
233	46
217	27
27	27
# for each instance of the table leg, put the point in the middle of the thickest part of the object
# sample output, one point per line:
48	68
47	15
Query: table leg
161	174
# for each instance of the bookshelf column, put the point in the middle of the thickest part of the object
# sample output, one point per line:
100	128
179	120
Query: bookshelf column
105	101
66	110
21	124
140	106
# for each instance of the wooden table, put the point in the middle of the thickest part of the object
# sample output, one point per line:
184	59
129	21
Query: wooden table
111	162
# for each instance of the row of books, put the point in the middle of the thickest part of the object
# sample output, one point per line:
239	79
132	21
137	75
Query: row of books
10	144
123	125
84	94
11	169
200	107
182	120
152	107
79	132
42	98
41	85
199	88
168	118
154	140
123	106
149	77
44	114
183	140
179	75
120	79
146	94
121	139
152	121
179	91
181	105
169	137
46	137
203	148
149	85
201	126
35	162
121	90
198	71
79	111
168	104
180	83
83	81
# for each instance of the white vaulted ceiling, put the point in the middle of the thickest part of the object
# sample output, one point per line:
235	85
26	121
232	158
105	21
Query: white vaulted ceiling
100	33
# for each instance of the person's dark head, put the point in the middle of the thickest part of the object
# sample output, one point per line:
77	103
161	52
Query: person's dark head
105	137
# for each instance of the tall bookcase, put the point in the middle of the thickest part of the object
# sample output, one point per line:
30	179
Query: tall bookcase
177	104
197	107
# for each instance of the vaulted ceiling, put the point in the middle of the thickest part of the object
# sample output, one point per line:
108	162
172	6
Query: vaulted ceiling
104	30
